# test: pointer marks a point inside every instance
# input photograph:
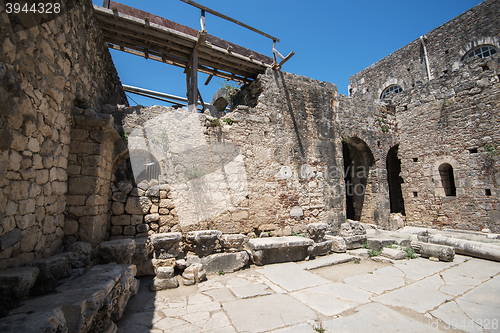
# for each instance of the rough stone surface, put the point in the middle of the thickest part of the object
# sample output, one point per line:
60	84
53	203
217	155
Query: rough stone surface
203	242
278	249
338	243
233	243
119	251
15	284
166	245
225	262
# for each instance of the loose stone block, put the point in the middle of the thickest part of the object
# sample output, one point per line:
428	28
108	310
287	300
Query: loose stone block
193	274
233	243
321	248
394	254
165	272
166	245
351	228
316	231
355	242
163	284
226	262
203	242
338	244
119	251
278	249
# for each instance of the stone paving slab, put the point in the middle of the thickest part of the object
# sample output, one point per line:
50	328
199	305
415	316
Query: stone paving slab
333	298
266	313
375	283
413	298
251	290
291	277
373	318
417	269
334	259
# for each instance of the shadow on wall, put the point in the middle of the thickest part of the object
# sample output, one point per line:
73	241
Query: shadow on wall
205	178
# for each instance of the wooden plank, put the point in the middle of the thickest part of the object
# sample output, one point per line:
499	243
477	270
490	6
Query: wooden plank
213	12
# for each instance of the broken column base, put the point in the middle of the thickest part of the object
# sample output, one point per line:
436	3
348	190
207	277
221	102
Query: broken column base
165	279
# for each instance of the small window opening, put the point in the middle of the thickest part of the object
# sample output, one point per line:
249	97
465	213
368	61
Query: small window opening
448	180
413	85
487	192
445	71
482	51
408	69
446	51
378	144
350	92
473	150
415	194
485	67
415	159
394	89
405	107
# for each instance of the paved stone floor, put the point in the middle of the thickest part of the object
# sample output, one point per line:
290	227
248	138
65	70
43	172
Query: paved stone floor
409	296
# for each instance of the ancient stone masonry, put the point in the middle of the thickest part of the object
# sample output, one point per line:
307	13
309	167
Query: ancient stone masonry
46	67
452	120
445	46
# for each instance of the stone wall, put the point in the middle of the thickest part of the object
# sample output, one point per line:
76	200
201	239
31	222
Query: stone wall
48	65
270	168
453	120
369	131
446	45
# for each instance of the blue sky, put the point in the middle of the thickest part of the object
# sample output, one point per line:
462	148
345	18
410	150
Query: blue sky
332	39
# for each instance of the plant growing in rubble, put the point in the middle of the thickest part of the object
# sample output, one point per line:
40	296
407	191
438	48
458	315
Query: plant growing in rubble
228	121
410	253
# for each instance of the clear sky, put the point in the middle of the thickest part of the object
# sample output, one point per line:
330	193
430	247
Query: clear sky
332	39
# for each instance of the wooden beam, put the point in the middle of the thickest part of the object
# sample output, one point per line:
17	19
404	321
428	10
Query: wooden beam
213	12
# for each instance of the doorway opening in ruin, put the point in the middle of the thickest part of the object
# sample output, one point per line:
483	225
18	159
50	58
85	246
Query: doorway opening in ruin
448	180
144	165
358	159
393	165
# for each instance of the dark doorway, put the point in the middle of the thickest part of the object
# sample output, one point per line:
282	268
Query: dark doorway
358	159
393	165
448	179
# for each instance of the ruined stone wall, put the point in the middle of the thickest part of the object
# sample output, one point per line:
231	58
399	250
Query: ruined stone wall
446	45
270	168
47	66
369	129
454	120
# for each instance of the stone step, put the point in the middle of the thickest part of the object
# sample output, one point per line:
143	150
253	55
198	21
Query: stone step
278	249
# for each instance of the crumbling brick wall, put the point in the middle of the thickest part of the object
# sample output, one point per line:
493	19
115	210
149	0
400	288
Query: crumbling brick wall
47	66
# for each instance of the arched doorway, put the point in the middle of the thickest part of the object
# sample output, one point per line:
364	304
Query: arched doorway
393	165
448	180
358	159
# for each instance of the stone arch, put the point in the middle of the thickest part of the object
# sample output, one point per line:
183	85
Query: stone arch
439	170
478	41
358	159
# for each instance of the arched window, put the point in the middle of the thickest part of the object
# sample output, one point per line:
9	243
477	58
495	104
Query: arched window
394	89
482	51
448	180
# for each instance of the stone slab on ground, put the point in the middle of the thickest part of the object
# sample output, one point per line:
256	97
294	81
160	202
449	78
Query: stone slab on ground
333	298
330	260
290	276
374	318
266	313
251	290
414	298
417	269
375	283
